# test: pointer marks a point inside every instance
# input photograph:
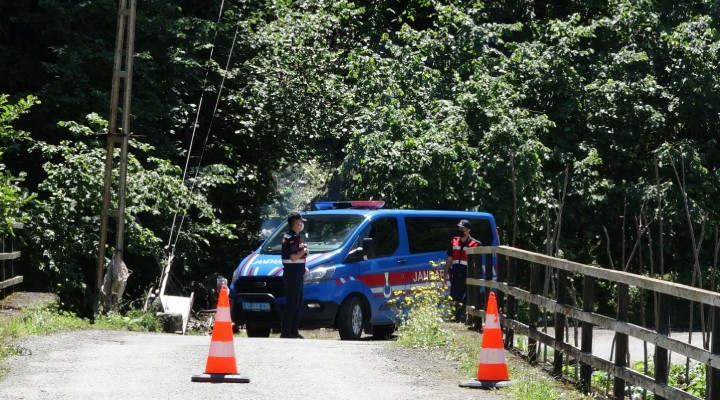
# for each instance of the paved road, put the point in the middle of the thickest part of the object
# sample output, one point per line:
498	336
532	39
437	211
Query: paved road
122	365
603	345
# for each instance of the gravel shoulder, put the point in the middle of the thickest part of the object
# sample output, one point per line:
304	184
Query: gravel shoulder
125	365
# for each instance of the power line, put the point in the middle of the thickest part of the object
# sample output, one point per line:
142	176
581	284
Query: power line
172	243
195	124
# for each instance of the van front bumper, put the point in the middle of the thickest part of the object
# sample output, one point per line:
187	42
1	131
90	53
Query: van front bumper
264	310
260	310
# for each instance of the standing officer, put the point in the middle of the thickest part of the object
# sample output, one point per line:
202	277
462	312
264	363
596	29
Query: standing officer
294	253
456	266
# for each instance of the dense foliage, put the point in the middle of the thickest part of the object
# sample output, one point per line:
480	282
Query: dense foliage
13	197
584	126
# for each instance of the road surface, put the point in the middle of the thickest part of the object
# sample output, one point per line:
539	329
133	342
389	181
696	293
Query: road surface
124	365
603	345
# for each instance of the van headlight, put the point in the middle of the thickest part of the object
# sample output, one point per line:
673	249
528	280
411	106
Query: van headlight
319	274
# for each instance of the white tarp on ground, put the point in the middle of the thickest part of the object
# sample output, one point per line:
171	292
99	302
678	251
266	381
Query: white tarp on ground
174	304
178	305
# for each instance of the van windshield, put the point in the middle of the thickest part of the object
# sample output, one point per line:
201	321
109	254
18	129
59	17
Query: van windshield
322	233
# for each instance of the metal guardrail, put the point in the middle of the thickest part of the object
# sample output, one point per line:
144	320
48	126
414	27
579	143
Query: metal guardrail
8	277
563	308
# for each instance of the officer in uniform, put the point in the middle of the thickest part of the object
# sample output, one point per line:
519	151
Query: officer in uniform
294	253
456	266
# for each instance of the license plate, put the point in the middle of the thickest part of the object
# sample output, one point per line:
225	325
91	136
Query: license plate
252	306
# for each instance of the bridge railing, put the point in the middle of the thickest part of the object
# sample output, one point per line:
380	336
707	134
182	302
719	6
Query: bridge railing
525	294
9	277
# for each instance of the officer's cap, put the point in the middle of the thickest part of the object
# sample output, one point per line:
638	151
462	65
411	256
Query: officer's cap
294	216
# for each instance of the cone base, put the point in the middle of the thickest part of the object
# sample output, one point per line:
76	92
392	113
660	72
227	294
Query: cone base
219	378
476	384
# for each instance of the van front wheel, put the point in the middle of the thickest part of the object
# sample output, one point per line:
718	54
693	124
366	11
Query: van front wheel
350	319
254	331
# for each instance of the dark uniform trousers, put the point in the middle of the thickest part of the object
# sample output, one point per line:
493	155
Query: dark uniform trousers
458	288
293	281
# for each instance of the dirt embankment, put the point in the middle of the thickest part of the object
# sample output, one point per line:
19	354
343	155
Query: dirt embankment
13	304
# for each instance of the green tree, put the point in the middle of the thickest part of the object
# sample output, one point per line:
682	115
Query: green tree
62	236
13	197
551	115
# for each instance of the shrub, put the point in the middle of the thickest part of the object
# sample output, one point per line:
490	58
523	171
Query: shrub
423	310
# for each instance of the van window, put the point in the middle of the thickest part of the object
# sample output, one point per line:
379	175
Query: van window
427	234
322	233
384	232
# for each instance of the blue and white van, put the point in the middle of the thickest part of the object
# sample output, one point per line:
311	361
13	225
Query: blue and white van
360	256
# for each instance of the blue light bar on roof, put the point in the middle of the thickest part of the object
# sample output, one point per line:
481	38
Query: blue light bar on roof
335	205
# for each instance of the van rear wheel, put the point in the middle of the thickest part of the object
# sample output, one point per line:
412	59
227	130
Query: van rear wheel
350	319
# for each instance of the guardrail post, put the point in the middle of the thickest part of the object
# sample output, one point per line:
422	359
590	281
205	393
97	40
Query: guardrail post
2	263
533	347
713	374
481	292
662	361
510	305
560	321
621	339
500	277
7	264
587	332
472	297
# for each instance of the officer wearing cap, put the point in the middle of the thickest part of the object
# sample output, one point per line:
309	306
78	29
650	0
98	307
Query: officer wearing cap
456	266
294	252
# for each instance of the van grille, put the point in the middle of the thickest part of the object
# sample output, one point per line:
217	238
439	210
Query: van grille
260	284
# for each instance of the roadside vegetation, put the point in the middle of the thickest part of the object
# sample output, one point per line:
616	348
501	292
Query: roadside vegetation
425	320
691	380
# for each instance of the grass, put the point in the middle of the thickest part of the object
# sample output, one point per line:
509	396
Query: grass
40	321
133	320
528	382
536	385
694	383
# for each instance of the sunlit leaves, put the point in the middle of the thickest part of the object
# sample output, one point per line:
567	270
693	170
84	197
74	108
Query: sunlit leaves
66	222
13	196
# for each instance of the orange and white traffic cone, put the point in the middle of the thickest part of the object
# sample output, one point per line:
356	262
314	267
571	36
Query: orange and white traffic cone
221	365
492	368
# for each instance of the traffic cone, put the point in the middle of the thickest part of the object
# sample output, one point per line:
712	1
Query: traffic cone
221	365
492	368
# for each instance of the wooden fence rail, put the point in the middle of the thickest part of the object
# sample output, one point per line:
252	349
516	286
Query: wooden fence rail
563	271
8	254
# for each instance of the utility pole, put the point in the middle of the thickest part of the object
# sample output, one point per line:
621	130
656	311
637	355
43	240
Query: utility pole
122	77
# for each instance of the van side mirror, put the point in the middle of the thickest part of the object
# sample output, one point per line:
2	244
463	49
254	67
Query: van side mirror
354	255
366	252
369	249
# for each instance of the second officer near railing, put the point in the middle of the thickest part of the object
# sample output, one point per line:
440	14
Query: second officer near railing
456	266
